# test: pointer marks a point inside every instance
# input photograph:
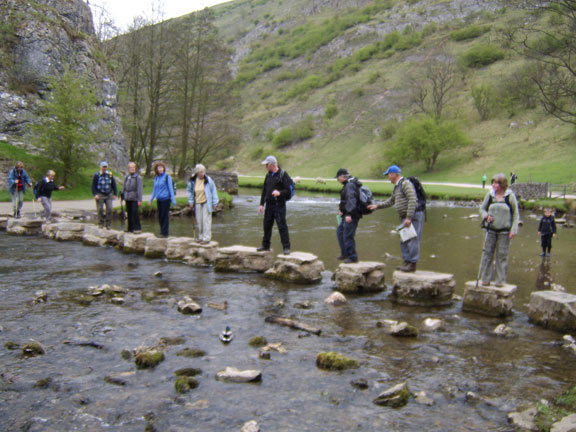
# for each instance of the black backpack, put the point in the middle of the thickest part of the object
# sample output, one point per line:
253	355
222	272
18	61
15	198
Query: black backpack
420	193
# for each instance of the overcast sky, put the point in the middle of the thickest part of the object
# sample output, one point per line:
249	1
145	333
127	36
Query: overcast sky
122	11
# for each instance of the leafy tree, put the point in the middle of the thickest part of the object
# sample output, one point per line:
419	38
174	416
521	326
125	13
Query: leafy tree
548	40
423	139
65	127
483	97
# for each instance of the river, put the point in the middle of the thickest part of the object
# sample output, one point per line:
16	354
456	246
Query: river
294	394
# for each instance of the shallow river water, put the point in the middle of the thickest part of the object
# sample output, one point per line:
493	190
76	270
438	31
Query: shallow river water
294	394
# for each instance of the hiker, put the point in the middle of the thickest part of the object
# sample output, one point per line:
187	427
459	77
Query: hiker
44	190
275	192
500	218
163	193
483	180
348	216
132	194
104	191
17	181
405	201
513	178
546	230
202	197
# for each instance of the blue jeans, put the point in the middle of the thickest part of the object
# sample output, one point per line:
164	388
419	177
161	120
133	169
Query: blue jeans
17	201
345	233
411	248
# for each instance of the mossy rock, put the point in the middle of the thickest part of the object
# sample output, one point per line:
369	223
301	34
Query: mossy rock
12	345
188	372
148	359
43	383
32	350
184	384
561	407
178	340
126	354
191	352
394	397
258	341
334	361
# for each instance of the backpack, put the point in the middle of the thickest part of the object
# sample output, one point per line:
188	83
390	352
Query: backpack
36	189
290	183
484	224
173	184
420	193
364	199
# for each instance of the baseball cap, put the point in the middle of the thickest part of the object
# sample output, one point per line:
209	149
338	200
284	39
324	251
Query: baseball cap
103	164
342	171
395	169
270	160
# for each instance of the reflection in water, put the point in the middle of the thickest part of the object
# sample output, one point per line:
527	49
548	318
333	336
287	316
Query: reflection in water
544	279
294	394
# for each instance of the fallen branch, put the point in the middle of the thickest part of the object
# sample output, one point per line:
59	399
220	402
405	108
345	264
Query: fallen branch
287	322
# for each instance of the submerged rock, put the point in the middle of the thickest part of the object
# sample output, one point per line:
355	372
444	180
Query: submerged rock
423	399
433	324
258	341
43	383
360	384
191	352
32	349
188	372
394	397
231	374
334	361
188	306
336	299
250	426
184	384
524	420
148	359
40	297
503	330
403	329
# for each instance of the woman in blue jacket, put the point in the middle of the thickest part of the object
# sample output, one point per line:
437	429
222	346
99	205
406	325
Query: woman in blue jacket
202	197
163	193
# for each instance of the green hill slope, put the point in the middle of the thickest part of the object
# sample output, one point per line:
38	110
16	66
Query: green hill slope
325	84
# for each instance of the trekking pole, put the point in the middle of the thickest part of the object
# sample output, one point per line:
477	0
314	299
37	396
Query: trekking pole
122	215
483	250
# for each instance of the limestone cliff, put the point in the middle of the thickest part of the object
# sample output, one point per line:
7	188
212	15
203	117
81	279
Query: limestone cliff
38	39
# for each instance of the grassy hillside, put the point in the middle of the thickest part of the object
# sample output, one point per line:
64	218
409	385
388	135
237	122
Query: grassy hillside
325	84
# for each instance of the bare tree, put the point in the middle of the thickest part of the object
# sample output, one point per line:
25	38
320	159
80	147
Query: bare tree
547	39
433	88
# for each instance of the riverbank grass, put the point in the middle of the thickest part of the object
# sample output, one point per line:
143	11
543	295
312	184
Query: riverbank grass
548	414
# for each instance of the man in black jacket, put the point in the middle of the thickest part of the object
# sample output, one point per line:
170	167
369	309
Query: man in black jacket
349	215
275	192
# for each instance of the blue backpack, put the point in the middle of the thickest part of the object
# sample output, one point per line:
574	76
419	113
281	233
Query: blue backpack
290	182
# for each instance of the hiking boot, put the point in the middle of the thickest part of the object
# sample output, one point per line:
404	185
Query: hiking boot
341	258
485	283
407	267
350	260
263	249
286	251
400	267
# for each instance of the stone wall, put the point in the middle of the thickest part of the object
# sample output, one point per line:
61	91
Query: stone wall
530	190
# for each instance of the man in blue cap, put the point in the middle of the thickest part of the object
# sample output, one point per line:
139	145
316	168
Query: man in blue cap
104	191
405	200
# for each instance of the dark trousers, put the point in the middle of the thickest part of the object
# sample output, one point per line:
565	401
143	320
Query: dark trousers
546	242
133	216
275	212
345	233
164	215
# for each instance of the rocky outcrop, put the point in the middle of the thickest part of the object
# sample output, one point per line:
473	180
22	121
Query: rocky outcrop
423	288
556	310
361	277
489	300
202	254
46	37
134	243
64	231
298	267
94	236
24	226
243	259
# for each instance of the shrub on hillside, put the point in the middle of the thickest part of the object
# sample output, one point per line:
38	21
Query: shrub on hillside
484	100
330	111
294	134
470	32
482	55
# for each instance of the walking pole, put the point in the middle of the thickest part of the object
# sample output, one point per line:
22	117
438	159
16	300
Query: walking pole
483	250
122	215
